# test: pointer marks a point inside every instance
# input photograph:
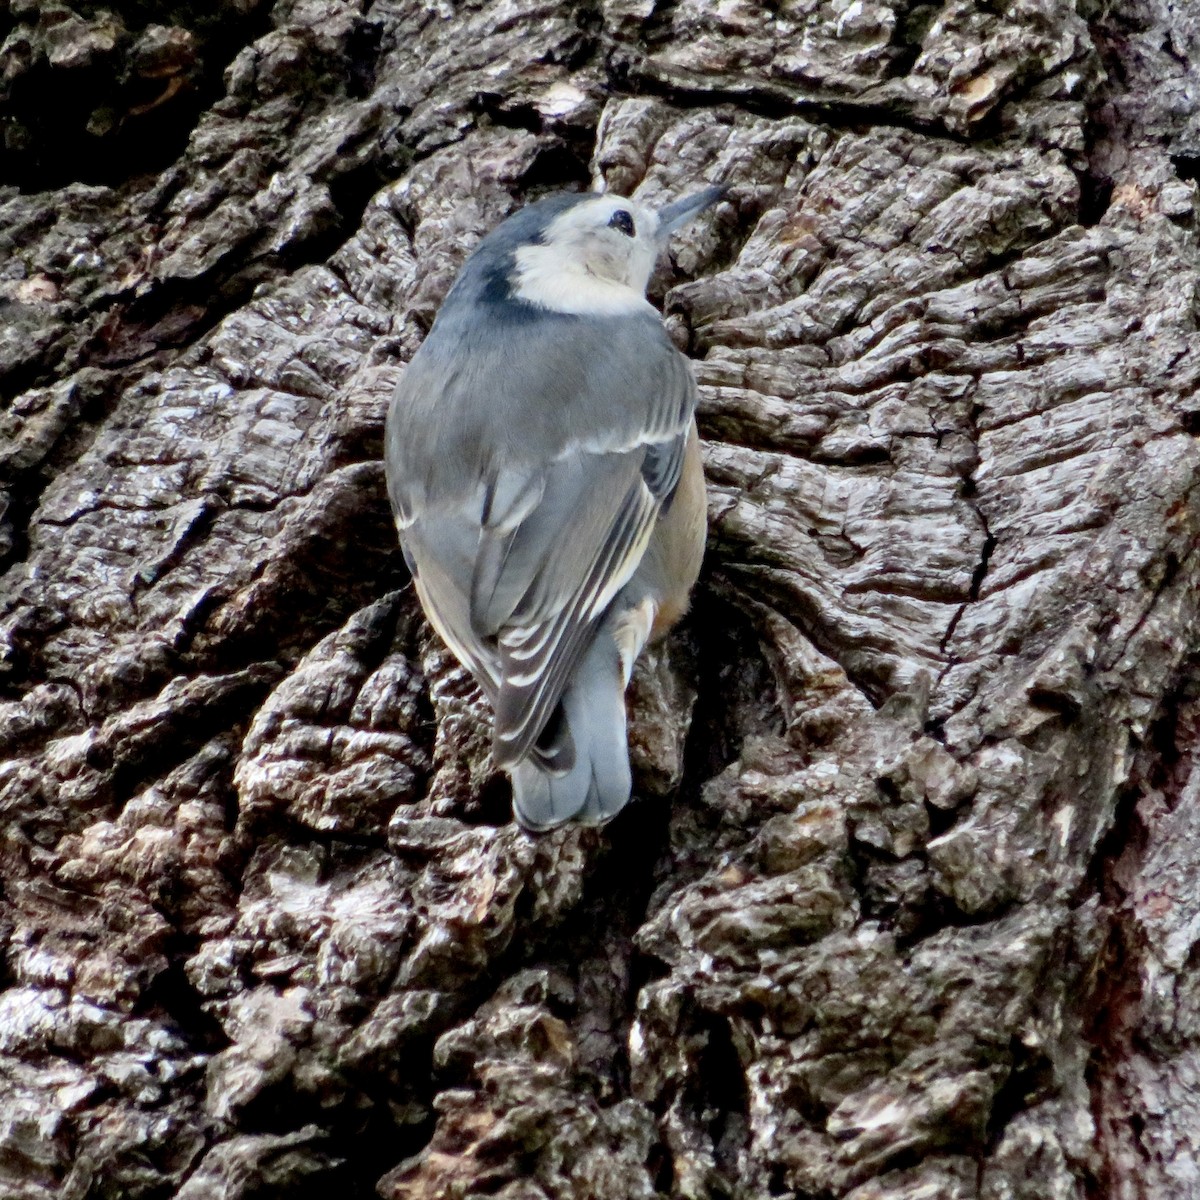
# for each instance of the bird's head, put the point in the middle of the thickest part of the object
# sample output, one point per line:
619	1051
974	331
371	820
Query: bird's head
587	254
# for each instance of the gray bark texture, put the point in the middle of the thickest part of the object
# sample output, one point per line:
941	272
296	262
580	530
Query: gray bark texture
907	908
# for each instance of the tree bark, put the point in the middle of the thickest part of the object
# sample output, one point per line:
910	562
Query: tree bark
906	908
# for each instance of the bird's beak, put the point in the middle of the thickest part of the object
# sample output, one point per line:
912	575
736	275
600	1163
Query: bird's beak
682	211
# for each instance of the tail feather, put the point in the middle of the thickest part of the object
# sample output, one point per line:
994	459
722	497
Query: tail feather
554	750
598	783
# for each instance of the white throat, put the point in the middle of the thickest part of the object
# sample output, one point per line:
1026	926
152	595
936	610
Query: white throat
542	278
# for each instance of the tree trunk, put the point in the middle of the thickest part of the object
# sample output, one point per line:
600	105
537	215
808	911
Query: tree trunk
906	909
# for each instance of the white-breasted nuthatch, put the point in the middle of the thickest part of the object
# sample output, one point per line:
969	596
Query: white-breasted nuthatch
544	467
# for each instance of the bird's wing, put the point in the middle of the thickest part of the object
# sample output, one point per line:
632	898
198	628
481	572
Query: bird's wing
521	557
546	586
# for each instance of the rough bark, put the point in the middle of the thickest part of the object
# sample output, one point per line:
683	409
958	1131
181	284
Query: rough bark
907	906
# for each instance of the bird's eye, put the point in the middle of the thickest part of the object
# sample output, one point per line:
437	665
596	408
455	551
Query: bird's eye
622	220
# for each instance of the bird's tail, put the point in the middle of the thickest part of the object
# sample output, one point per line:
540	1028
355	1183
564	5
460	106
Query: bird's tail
597	786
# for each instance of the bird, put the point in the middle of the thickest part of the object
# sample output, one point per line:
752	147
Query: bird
544	471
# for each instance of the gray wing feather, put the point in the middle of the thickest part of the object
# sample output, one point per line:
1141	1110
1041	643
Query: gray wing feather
442	577
540	647
545	556
526	490
663	465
